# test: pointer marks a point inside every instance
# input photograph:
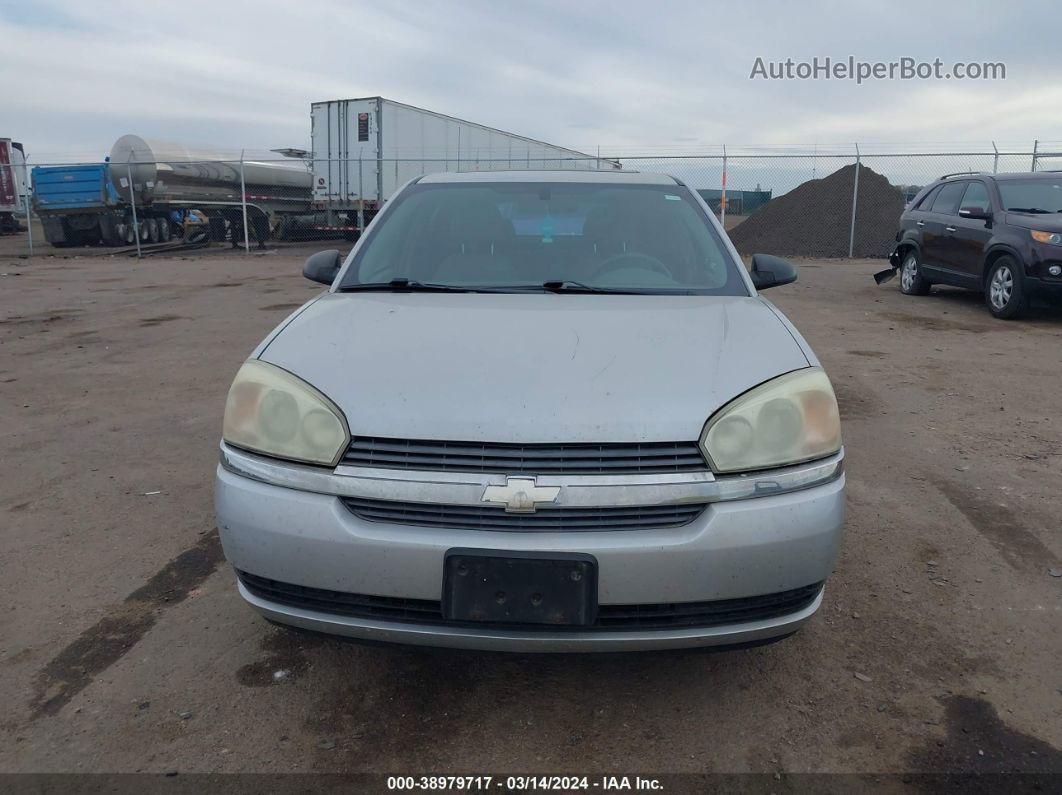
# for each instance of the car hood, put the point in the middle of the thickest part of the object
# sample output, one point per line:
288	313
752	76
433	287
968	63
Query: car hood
533	368
1045	222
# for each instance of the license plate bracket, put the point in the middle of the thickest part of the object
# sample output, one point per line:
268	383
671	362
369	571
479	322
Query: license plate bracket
505	587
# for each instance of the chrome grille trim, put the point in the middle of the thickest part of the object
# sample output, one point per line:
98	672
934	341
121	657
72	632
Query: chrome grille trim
466	488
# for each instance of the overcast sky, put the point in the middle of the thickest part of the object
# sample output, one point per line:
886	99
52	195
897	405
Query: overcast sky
630	77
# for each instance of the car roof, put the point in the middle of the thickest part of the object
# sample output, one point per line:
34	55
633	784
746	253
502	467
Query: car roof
1002	177
551	175
1029	175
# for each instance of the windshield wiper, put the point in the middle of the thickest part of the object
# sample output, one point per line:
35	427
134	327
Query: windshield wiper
570	286
1034	210
410	285
402	284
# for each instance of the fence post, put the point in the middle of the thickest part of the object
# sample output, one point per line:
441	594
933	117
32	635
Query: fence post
26	188
995	158
132	203
722	196
361	198
855	195
1036	147
243	205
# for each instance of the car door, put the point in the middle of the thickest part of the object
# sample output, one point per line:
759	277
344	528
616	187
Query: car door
972	234
913	220
937	238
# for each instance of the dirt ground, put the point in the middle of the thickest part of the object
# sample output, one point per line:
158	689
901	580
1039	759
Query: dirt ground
127	648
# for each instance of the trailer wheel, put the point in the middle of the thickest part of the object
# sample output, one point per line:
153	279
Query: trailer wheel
165	230
143	231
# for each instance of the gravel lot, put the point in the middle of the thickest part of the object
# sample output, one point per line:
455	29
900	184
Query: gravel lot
126	647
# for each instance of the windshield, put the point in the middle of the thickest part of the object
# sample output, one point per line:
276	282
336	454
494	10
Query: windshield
521	236
1032	195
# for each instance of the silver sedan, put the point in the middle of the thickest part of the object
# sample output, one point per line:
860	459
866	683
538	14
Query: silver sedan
536	411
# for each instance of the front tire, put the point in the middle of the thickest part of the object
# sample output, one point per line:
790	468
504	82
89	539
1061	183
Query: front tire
1004	291
912	282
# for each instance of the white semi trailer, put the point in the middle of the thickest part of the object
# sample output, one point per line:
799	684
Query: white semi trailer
364	149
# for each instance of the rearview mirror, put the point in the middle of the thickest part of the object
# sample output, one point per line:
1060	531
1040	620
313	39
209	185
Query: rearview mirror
322	267
770	271
975	212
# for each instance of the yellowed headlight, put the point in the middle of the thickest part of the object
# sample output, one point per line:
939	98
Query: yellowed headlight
271	411
787	420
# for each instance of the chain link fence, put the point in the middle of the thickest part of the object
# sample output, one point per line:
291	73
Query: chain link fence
838	202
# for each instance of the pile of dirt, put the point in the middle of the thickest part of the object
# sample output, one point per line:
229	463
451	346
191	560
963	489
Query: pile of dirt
814	219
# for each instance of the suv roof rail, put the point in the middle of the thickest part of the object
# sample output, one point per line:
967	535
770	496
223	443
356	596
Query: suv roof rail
961	173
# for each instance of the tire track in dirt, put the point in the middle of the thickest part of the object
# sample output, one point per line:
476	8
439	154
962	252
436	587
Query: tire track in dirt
108	640
1018	545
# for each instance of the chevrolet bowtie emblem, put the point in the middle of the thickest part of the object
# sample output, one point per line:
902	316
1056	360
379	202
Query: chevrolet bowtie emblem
520	495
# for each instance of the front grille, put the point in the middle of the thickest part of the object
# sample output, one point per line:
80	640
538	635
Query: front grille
610	617
535	459
471	517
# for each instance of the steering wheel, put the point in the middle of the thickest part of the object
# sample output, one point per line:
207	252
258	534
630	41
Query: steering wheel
631	259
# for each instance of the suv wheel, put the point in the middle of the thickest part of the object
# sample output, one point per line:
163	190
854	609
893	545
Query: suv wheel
912	282
1004	292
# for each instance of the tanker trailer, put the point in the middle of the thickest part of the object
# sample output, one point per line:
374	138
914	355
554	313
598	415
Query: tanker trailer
163	177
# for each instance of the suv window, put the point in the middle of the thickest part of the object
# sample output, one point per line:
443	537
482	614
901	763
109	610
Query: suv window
927	200
1032	195
976	196
947	201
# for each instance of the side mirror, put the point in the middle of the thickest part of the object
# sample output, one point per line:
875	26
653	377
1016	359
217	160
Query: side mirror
769	271
322	267
978	213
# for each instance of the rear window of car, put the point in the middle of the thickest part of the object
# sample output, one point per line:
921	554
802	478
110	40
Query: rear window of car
947	200
517	236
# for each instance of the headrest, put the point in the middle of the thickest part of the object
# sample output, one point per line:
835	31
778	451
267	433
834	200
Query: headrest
603	224
481	224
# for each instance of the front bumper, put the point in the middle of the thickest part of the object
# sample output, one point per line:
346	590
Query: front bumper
491	639
1044	289
736	548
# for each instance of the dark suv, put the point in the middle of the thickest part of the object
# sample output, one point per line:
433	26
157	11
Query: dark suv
996	233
